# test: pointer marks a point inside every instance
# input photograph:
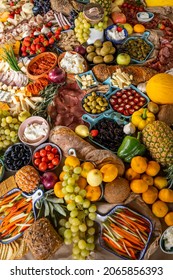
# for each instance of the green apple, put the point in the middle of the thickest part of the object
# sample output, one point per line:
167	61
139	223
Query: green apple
123	59
23	116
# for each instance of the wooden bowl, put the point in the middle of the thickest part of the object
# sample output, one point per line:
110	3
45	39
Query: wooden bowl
71	75
36	58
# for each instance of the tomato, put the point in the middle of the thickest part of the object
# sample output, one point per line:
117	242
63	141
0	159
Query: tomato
42	166
50	156
54	151
50	165
37	155
48	148
43	152
45	159
55	161
37	161
37	47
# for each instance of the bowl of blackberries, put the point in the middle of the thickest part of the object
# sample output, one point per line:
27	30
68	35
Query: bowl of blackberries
17	156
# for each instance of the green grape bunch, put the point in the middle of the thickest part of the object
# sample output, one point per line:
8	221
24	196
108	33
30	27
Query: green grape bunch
79	229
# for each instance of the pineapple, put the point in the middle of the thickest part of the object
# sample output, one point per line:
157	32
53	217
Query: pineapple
158	139
106	4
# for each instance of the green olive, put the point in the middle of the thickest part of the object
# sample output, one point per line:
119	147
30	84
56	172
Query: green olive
93	93
94	111
94	103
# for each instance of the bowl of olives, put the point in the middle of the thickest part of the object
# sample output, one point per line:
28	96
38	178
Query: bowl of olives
95	103
17	156
101	52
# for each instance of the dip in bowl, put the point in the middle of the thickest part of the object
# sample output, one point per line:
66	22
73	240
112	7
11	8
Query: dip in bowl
34	131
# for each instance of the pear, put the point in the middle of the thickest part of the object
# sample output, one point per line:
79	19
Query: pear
82	131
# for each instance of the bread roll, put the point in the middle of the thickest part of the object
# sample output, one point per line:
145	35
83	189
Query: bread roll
66	139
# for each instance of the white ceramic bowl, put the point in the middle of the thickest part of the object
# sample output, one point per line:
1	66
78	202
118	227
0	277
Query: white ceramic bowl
162	247
29	121
151	16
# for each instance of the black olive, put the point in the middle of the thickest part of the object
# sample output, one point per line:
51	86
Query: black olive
19	163
20	154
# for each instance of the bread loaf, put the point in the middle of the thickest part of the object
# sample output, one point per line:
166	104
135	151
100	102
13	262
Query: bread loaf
140	74
42	239
66	139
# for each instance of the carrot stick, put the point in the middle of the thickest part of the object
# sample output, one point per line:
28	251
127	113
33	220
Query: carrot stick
131	245
126	234
29	208
132	252
9	197
114	244
11	224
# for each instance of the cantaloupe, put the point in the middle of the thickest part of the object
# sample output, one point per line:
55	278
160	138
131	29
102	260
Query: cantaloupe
159	88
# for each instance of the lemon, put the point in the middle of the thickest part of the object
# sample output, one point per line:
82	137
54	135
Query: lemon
128	27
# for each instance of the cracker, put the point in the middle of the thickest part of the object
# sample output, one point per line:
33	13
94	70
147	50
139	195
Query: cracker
10	252
7	185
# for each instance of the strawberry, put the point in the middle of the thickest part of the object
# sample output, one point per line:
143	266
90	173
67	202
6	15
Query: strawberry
36	41
161	26
46	43
33	47
49	34
94	132
42	49
51	41
119	28
49	24
26	43
23	48
24	53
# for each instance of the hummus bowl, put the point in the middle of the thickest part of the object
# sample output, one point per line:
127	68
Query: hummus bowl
31	131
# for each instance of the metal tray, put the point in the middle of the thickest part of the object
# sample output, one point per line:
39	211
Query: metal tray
144	36
35	196
102	218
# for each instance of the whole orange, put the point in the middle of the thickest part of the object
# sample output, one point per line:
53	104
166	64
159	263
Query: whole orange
139	28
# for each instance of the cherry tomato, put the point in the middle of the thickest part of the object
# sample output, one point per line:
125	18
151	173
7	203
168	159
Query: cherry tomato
56	156
55	161
50	156
42	166
43	152
37	155
44	159
48	148
50	165
54	151
37	161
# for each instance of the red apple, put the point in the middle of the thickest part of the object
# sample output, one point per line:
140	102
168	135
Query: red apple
118	17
